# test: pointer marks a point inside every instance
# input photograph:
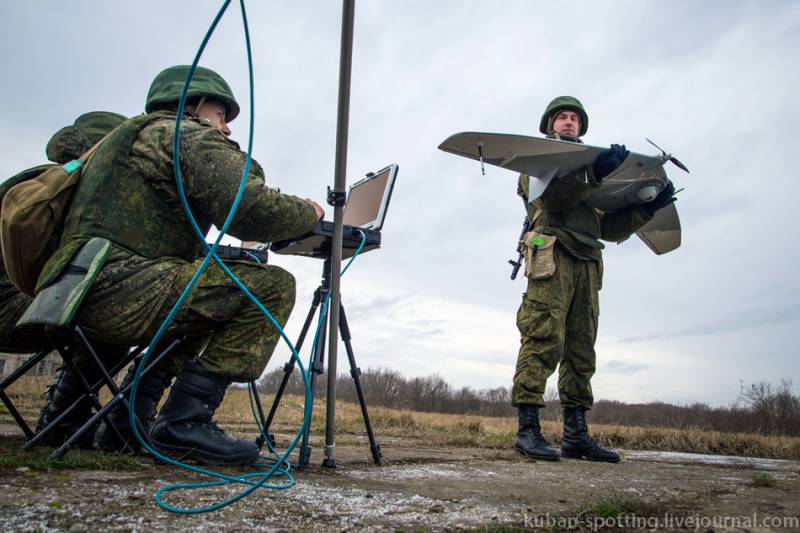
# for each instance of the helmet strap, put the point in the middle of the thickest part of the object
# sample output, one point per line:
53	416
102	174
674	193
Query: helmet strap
199	104
551	124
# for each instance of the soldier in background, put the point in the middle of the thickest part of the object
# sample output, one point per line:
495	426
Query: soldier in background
66	144
559	314
128	195
69	143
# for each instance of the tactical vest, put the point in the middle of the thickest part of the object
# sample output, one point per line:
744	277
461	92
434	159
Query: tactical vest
577	228
114	200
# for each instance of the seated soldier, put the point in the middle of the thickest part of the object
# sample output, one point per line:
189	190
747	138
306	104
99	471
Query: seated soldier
128	195
67	144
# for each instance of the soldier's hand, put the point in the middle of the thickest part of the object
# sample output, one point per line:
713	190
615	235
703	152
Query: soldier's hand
317	208
608	161
662	200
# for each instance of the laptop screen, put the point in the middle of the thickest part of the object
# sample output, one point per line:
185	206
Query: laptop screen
368	199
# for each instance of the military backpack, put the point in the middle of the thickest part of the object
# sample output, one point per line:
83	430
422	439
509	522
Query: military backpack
32	217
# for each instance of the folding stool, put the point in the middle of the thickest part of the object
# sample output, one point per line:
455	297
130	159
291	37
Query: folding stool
54	309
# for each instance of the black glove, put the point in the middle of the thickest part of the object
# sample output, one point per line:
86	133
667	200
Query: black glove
664	198
608	161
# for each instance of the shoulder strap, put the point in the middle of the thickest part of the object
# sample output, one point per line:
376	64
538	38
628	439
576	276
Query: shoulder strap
75	164
536	213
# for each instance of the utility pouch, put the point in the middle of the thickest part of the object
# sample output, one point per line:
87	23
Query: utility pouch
58	304
539	260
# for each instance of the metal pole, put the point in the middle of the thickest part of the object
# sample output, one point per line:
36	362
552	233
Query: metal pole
337	199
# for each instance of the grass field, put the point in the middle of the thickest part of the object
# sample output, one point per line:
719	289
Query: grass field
452	430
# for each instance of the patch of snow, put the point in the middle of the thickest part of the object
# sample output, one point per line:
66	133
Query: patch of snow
721	460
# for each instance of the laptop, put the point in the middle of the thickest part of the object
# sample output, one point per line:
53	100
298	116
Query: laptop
368	199
364	211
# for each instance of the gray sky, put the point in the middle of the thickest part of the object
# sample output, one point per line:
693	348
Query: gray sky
714	82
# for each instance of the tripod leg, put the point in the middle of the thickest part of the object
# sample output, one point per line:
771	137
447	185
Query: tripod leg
288	368
355	372
317	368
260	411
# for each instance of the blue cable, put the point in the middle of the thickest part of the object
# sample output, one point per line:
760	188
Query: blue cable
253	256
275	469
210	255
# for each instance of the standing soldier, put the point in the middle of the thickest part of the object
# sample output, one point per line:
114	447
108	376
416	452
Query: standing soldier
67	144
558	316
128	195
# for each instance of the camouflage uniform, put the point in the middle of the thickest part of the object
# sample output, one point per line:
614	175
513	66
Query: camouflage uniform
558	316
67	144
128	195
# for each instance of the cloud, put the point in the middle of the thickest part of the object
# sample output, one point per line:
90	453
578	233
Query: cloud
712	82
616	366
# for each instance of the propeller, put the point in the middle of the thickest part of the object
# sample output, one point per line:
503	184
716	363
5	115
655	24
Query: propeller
669	157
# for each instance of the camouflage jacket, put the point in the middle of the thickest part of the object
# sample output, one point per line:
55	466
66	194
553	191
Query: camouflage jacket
128	195
578	226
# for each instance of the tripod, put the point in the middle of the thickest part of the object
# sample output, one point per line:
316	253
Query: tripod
318	366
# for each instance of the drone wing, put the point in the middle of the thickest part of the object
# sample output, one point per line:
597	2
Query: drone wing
533	156
636	180
663	233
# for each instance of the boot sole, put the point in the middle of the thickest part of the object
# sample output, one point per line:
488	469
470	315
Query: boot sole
193	454
537	457
574	455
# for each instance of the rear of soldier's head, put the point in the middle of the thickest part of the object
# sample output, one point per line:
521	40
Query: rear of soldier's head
70	142
561	104
167	87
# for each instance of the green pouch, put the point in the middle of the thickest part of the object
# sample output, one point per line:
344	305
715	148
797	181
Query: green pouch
57	304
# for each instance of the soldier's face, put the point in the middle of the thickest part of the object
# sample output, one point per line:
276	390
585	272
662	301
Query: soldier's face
567	124
215	112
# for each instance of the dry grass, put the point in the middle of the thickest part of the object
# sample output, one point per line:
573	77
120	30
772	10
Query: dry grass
492	432
436	429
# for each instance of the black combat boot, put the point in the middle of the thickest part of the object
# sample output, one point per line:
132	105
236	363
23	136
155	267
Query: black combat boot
184	428
148	393
577	444
529	440
65	390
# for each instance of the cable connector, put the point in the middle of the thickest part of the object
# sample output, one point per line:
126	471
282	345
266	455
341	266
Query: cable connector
336	198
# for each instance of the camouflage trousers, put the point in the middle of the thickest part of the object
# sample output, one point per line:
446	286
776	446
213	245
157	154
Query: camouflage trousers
12	305
558	325
132	296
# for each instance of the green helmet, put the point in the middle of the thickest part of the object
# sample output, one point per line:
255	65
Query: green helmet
565	102
70	142
167	87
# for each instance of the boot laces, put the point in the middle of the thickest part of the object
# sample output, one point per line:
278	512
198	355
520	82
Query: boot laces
214	427
583	429
531	421
533	427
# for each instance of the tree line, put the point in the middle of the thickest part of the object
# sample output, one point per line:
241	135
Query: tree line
761	408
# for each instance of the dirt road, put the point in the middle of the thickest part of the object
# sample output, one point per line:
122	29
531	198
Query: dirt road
422	488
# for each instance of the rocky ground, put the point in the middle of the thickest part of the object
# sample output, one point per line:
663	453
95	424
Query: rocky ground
419	487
